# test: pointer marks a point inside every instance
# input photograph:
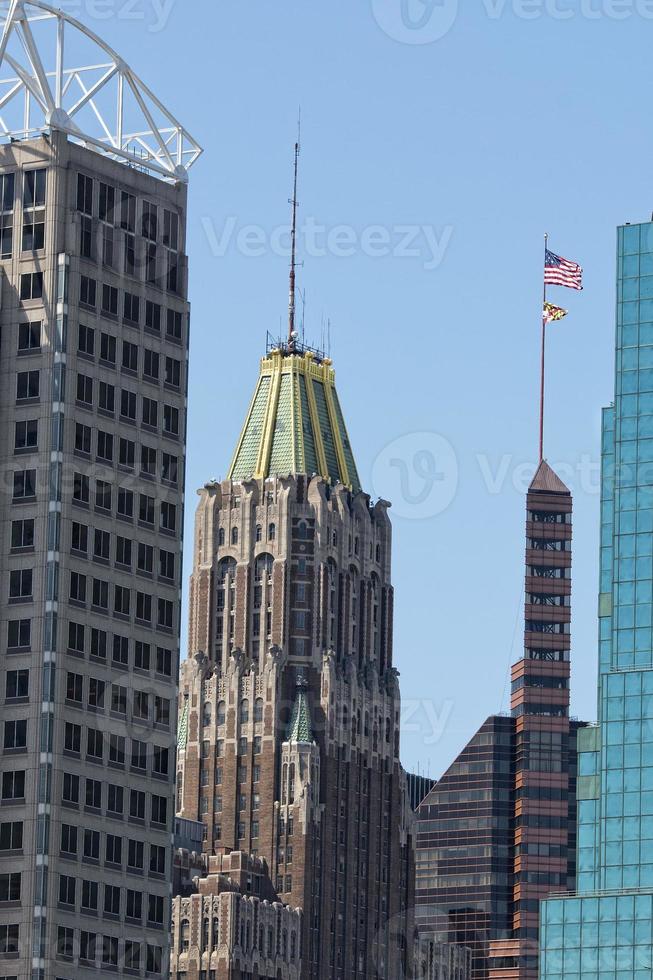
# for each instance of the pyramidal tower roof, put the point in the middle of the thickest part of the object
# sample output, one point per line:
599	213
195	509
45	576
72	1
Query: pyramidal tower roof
299	729
295	424
547	480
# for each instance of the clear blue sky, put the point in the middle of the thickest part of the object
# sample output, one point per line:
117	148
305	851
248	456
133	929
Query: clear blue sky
504	128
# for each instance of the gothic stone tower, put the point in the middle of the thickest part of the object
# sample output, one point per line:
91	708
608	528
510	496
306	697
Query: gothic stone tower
289	706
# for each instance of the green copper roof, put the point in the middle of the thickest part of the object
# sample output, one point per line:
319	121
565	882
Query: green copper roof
182	731
299	729
295	424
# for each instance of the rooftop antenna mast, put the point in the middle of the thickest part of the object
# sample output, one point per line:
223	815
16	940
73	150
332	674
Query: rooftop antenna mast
292	333
303	296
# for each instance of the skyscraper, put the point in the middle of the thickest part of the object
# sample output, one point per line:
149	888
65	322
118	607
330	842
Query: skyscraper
289	705
93	361
605	932
497	833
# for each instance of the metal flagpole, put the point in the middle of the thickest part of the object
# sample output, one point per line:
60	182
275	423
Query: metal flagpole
543	360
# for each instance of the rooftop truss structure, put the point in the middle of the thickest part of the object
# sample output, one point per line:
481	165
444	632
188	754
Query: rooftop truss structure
101	104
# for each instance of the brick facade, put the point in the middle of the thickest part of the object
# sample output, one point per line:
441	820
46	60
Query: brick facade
291	598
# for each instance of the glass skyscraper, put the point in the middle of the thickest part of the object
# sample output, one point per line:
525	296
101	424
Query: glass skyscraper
605	931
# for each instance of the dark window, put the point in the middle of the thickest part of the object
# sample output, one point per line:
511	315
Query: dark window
128	404
84	194
81	488
127	211
126	454
169	468
87	291
84	389
146	509
109	300
86	340
31	285
125	502
29	336
107	203
132	308
19	633
150	412
107	397
151	364
168	516
17	684
171	420
22	534
107	348
129	357
24	484
173	372
26	434
82	438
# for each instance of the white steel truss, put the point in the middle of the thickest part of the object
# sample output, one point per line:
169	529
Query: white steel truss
103	104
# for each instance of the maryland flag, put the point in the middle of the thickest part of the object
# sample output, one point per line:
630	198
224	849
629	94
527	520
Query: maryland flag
552	313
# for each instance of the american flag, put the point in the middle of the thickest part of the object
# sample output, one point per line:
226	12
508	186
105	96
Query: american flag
562	272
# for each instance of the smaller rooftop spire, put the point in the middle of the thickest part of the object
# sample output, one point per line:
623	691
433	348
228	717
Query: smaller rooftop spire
299	729
182	731
547	481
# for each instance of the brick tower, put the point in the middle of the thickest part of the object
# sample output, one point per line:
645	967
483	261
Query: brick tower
289	706
497	833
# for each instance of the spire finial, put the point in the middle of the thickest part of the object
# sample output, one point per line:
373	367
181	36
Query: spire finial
293	238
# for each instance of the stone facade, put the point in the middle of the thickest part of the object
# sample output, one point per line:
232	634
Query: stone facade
289	715
232	929
93	377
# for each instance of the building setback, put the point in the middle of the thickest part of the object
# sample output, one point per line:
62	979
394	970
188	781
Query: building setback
497	833
605	932
289	707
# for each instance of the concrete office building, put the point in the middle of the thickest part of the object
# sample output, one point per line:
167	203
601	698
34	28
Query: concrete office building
93	378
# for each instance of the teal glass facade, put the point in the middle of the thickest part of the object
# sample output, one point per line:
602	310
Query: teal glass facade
605	932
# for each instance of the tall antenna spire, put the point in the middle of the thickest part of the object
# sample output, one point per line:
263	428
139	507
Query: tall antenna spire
293	236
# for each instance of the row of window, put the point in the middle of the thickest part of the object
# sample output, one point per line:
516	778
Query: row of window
129	905
91	392
120	208
145	706
124	550
152	464
83	587
130	357
108	951
78	841
19	638
165	466
93	797
125	602
142	658
100	745
104	500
